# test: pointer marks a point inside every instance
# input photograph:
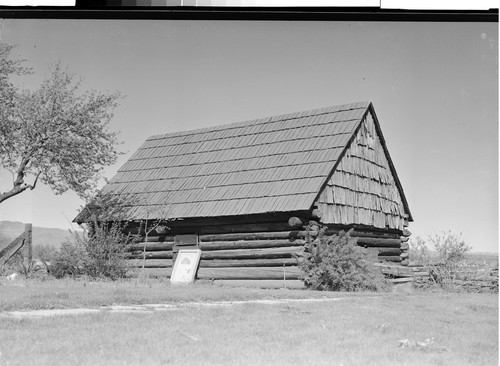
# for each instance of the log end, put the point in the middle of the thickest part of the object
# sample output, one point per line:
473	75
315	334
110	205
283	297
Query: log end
294	222
406	232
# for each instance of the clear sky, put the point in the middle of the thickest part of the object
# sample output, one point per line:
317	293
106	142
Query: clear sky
434	87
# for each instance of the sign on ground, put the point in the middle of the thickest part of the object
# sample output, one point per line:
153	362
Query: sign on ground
185	266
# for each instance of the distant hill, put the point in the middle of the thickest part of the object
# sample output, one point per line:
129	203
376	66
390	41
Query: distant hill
41	235
483	258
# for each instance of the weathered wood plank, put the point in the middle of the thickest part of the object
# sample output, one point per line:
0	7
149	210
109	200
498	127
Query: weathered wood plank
151	246
138	254
284	252
250	273
12	248
28	244
275	262
250	244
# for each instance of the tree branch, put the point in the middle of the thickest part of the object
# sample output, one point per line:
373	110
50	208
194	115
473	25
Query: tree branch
32	187
14	191
19	184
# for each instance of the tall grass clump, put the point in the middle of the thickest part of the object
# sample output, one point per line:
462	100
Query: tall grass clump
337	263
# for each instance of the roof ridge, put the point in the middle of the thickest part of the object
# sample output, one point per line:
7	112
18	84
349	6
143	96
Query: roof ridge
272	119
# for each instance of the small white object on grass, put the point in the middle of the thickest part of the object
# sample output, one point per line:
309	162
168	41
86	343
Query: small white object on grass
12	276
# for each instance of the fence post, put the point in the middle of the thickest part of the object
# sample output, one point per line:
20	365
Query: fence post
28	234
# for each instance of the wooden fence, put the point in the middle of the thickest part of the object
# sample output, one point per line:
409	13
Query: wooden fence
21	244
471	278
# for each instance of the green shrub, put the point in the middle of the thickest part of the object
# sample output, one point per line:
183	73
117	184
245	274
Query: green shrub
45	252
97	253
337	263
69	260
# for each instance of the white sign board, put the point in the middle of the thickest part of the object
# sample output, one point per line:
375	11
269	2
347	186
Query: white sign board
185	266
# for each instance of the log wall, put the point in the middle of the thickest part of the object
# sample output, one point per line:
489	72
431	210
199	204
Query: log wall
227	256
267	255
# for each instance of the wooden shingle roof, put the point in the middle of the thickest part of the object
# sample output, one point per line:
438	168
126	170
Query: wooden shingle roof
274	164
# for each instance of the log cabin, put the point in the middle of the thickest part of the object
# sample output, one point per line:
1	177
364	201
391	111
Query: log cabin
249	193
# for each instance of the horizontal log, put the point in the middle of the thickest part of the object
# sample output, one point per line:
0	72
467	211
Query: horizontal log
151	263
365	234
151	246
154	239
275	262
405	262
249	244
382	251
253	253
405	246
151	255
400	280
253	236
394	270
206	229
150	272
421	274
240	220
404	239
152	234
404	255
415	264
379	242
390	258
416	268
406	232
250	273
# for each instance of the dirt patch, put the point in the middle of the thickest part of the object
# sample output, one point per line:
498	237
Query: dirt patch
148	308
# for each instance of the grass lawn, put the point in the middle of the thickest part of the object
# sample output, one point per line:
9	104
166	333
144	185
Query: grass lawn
61	294
359	329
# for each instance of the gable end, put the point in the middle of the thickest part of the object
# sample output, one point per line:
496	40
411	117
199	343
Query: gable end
363	188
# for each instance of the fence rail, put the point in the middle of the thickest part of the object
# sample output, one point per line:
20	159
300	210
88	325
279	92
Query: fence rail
23	243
